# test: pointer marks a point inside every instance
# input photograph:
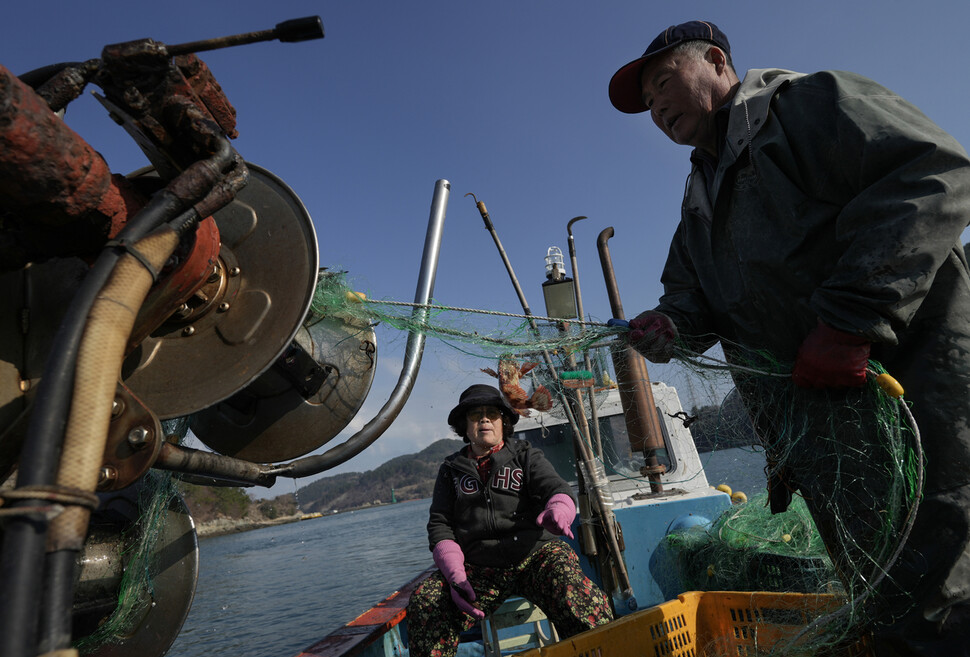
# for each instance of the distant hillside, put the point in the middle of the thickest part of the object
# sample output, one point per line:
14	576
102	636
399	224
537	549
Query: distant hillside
411	477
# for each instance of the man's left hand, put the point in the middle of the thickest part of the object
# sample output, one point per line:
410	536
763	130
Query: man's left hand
830	358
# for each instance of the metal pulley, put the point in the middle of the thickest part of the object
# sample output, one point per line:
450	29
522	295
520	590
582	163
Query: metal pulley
306	398
245	315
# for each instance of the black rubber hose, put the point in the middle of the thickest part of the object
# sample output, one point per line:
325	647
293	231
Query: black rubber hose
21	563
22	559
58	599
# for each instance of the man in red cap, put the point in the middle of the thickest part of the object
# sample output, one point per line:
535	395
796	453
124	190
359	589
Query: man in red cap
821	226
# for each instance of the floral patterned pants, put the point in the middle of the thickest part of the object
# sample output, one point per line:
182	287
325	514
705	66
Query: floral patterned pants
550	578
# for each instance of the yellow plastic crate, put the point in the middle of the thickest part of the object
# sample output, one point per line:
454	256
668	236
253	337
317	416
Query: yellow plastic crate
706	624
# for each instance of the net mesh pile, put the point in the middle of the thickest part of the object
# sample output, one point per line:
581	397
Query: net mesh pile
847	466
748	548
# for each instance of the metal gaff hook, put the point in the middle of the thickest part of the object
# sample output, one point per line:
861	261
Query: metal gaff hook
482	211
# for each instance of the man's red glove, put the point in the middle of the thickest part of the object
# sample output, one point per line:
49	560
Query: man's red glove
654	335
829	358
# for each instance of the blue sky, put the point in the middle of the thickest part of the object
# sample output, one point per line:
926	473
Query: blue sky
506	100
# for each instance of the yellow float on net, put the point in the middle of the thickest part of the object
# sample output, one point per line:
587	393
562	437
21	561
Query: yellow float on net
890	385
724	488
738	497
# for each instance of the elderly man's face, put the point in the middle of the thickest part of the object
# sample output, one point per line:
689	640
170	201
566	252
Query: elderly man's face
683	92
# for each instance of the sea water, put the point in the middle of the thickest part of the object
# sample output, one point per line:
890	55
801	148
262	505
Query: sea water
274	591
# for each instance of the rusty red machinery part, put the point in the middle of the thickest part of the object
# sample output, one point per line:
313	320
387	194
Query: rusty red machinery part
208	92
54	187
59	199
196	265
62	199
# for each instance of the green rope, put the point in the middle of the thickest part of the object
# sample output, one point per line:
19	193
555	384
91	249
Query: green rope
334	298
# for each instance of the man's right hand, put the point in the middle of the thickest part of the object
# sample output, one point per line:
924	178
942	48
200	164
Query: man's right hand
654	335
830	358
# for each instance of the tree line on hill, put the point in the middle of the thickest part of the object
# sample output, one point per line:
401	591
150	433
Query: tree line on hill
410	477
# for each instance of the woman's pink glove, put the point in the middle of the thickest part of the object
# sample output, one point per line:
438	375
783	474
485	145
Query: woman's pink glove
451	562
558	515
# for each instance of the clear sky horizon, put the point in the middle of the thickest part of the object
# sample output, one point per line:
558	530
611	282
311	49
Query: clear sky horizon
506	100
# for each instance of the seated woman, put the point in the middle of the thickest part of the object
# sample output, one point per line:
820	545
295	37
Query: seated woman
498	505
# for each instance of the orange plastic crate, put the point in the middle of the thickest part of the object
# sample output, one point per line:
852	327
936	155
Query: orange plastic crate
706	624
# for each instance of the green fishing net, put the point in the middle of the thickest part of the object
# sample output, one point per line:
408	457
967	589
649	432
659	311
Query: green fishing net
483	333
748	548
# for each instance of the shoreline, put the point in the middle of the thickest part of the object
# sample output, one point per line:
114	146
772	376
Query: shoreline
223	526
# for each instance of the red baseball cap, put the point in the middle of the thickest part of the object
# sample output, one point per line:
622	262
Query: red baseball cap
626	94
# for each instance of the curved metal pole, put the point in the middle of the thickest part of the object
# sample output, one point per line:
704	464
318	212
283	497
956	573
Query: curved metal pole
593	413
373	430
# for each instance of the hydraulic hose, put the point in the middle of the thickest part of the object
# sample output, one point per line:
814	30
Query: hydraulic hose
24	536
38	76
100	356
215	467
21	562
